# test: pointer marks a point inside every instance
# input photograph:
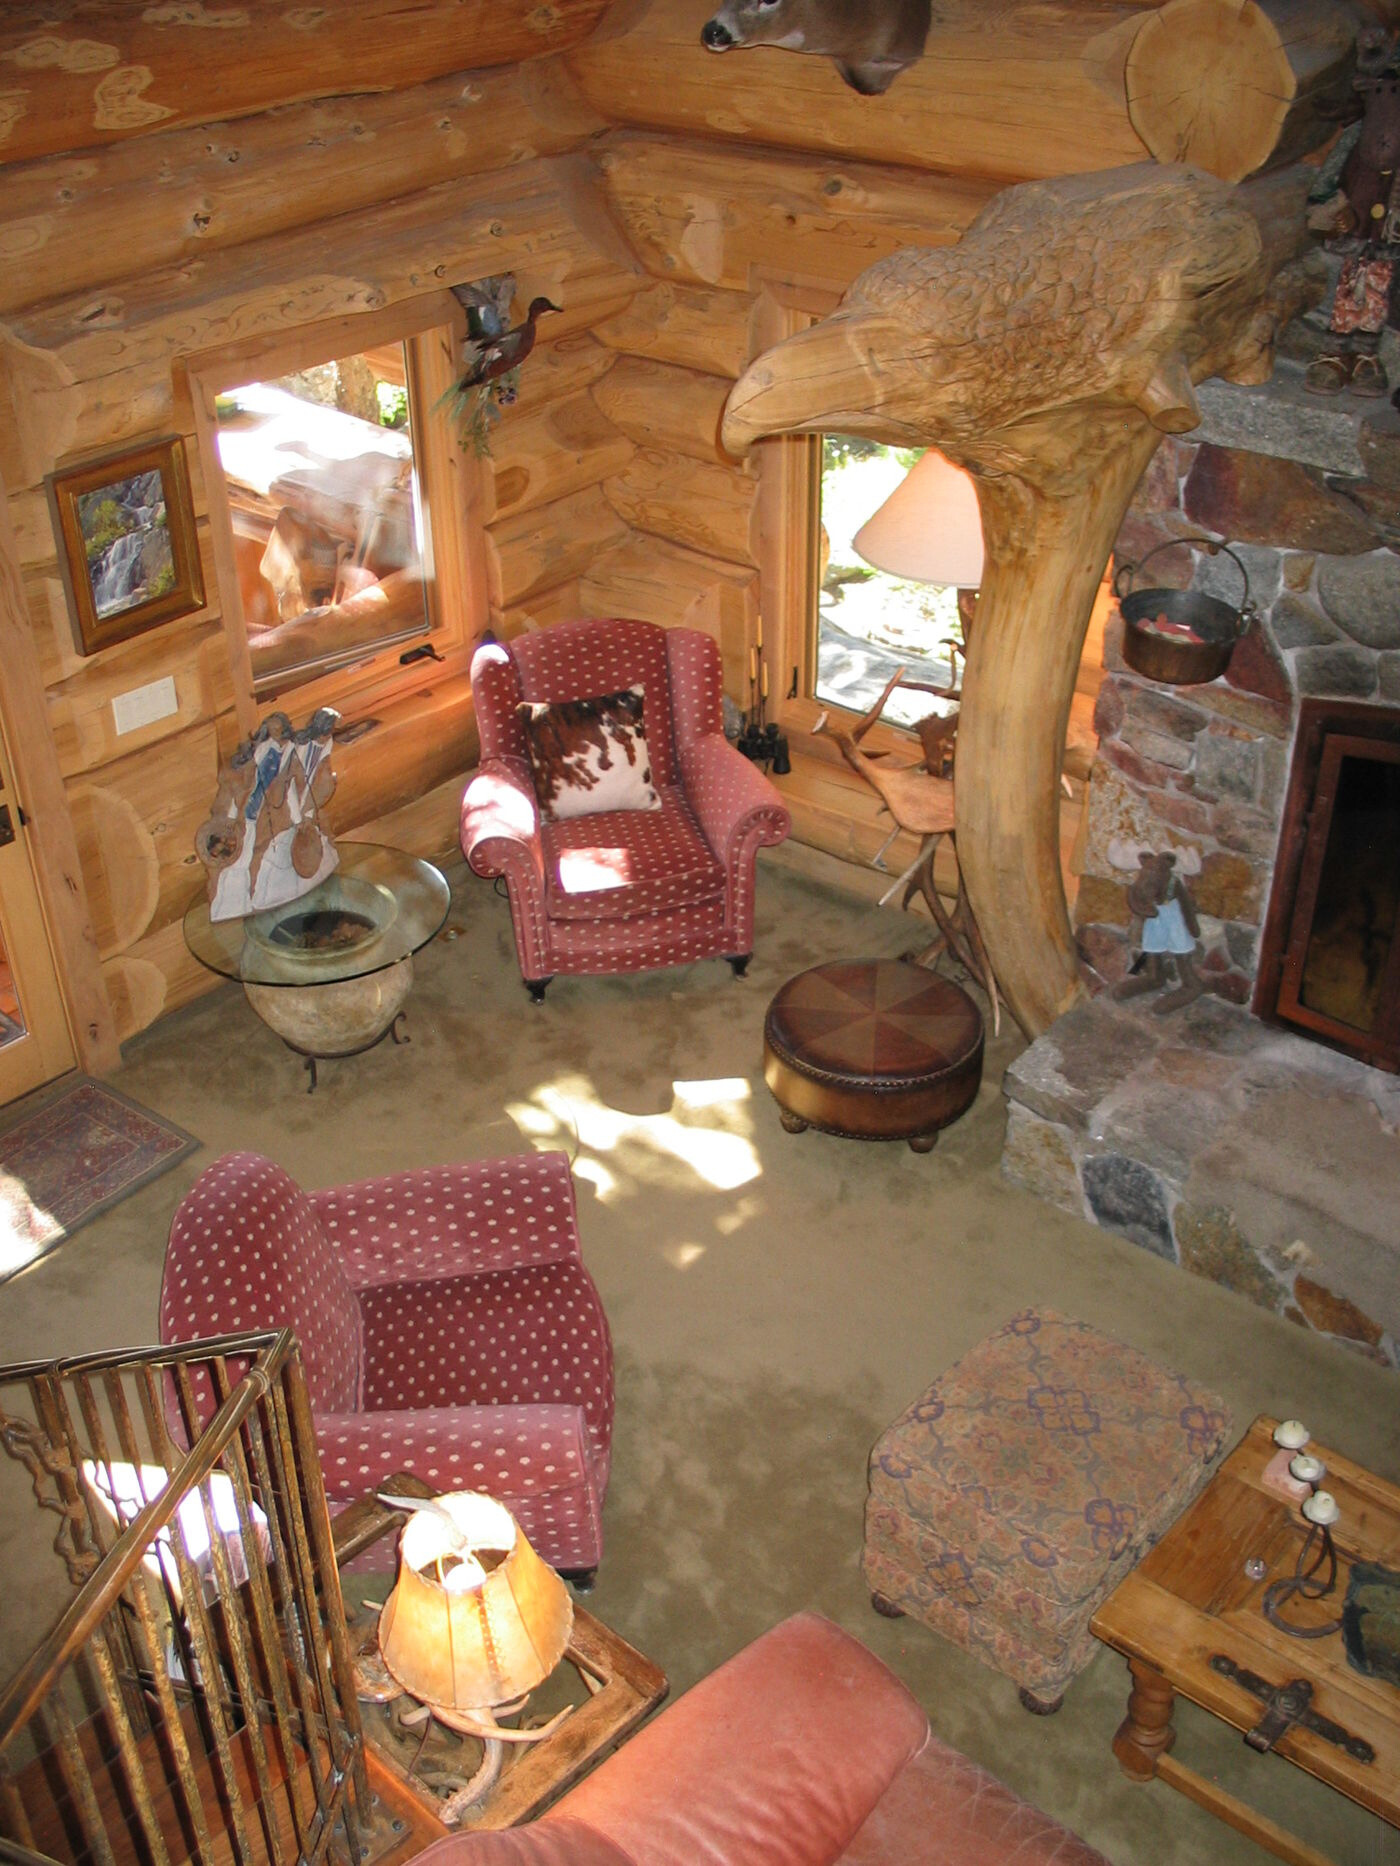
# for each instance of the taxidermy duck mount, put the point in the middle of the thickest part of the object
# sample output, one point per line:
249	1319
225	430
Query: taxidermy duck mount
1047	353
491	358
870	41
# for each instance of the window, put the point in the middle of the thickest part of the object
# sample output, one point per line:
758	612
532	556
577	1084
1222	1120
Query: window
327	520
868	623
344	506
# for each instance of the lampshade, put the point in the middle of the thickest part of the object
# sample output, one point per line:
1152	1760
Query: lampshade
929	530
475	1619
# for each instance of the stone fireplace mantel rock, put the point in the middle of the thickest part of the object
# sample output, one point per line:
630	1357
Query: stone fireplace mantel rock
1243	1152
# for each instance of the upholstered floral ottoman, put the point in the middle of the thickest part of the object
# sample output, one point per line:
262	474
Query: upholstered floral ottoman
1010	1498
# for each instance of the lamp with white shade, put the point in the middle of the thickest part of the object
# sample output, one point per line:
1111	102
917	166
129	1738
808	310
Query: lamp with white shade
929	530
475	1621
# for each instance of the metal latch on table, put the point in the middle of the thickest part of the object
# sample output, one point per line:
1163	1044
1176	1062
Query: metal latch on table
1286	1706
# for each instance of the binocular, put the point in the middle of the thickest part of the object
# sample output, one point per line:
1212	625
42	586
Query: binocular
765	745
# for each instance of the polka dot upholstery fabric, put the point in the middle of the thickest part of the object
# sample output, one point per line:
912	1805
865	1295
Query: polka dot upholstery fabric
620	892
623	863
447	1324
246	1250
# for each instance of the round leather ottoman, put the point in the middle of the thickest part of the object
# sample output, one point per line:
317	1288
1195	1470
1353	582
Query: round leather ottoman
874	1049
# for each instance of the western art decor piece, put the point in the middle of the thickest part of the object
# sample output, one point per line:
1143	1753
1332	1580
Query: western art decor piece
1165	930
1046	353
262	843
128	551
491	358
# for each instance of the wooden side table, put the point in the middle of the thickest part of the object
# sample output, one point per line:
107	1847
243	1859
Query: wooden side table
1189	1619
611	1686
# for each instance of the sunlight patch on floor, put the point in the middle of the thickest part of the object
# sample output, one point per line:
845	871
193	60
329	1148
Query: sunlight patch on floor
706	1133
26	1229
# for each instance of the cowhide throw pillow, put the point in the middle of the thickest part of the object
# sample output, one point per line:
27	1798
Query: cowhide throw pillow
589	755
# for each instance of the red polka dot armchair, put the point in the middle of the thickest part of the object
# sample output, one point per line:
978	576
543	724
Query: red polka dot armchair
447	1326
620	890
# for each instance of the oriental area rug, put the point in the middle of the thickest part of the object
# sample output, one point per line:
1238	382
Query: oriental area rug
82	1151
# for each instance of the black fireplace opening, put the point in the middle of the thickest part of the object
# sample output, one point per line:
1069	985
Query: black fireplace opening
1330	961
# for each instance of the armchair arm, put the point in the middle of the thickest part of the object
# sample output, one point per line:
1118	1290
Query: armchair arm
731	797
450	1221
500	830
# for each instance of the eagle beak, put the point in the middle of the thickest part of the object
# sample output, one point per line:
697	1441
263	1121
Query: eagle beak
827	378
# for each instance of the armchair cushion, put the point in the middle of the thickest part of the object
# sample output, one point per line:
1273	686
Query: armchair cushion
537	1460
586	756
498	1339
625	864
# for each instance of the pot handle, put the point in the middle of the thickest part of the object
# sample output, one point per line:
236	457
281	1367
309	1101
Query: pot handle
1213	545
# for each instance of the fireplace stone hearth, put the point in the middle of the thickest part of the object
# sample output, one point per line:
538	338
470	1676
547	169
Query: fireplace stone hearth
1241	1151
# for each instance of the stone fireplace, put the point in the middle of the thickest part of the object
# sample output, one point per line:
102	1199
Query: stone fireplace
1237	1136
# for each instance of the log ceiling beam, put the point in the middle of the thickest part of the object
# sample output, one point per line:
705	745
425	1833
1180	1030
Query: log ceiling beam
113	69
192	192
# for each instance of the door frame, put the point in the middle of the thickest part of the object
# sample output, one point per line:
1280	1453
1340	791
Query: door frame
37	782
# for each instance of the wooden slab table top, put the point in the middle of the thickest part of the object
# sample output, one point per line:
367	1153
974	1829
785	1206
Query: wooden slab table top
1190	1600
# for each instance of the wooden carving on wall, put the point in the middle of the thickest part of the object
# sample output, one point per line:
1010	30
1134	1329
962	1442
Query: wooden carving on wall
263	844
869	41
1047	352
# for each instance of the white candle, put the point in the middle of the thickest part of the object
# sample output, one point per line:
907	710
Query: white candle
759	641
753	665
1292	1434
1307	1469
763	684
1321	1508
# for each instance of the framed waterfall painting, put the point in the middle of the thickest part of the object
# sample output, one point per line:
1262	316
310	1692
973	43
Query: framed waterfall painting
127	545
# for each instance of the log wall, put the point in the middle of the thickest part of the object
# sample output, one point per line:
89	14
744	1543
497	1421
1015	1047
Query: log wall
660	195
279	222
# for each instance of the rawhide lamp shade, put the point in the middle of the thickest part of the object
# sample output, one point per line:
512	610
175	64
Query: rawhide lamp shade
475	1618
929	530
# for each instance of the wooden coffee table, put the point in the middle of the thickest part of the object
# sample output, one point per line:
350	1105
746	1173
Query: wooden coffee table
1189	1619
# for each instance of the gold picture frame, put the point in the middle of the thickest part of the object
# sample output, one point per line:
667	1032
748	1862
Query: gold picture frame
127	545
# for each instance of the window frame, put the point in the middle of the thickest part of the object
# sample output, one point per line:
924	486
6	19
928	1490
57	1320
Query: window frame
789	499
449	489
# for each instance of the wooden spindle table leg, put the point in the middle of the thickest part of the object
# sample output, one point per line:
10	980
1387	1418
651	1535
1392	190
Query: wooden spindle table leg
1146	1733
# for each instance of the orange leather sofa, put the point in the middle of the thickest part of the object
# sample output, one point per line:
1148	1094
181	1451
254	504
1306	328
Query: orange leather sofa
803	1750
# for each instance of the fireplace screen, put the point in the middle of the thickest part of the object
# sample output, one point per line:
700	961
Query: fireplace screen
1336	913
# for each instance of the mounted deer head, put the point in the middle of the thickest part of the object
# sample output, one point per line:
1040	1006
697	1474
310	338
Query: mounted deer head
871	41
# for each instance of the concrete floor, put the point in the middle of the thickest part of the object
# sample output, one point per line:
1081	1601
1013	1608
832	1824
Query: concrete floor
775	1301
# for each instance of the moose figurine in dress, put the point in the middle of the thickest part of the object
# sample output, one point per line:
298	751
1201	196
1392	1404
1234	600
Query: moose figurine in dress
1165	929
871	41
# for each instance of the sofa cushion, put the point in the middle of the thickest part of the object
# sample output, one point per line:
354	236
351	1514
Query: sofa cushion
944	1810
776	1759
624	864
588	756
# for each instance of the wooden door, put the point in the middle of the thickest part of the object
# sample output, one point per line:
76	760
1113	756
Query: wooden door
34	1042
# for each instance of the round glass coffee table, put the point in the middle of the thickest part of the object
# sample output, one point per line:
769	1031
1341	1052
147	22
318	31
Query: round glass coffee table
330	971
